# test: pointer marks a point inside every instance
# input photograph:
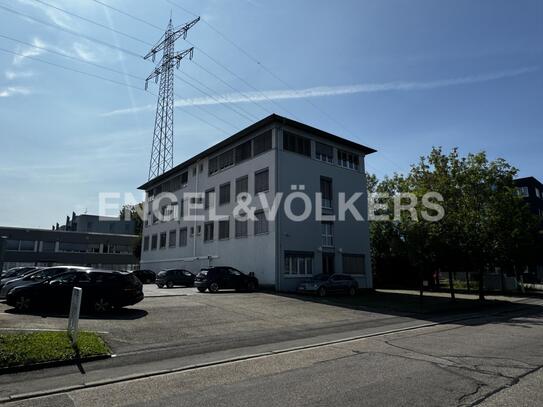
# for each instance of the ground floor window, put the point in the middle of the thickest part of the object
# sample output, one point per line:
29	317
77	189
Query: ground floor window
209	231
154	240
146	243
172	240
298	263
354	264
163	240
183	237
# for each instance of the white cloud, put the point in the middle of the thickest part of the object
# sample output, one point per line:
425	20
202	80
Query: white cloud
84	52
56	16
29	51
12	75
13	91
322	91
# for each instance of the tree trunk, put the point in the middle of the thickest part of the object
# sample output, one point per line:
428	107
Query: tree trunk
421	284
451	285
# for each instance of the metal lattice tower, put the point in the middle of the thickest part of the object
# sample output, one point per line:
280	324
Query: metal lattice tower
162	148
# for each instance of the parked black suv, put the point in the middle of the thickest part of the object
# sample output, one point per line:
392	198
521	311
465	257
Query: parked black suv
145	276
172	277
216	278
102	290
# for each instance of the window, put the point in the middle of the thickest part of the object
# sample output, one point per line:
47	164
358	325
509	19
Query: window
199	230
261	223
263	142
221	161
172	238
201	167
243	151
242	185
262	181
523	191
183	237
327	234
184	179
12	245
146	243
297	144
347	160
163	240
224	194
26	246
207	199
324	152
181	209
241	227
209	231
194	169
353	264
154	240
49	247
538	193
224	229
192	231
298	263
326	191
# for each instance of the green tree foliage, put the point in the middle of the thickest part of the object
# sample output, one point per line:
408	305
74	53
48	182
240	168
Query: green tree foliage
485	224
135	213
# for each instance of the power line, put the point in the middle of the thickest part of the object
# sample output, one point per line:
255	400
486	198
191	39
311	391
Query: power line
71	69
77	34
93	22
72	57
203	52
141	20
222	130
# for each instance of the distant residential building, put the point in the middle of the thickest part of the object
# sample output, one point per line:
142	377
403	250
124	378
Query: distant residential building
97	224
532	192
273	156
42	247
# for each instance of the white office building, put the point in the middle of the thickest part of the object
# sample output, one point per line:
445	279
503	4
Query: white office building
310	174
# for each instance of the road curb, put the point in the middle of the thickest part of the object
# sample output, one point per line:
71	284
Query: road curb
53	363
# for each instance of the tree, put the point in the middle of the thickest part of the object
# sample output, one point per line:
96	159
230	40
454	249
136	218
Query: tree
486	224
135	213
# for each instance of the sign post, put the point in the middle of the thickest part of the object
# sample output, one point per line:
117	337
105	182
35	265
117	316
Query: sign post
73	319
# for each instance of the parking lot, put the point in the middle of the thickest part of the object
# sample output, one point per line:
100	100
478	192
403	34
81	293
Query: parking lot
183	318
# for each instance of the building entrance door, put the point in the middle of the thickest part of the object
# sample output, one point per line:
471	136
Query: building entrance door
328	263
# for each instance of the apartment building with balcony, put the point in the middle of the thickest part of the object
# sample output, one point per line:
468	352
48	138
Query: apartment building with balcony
276	159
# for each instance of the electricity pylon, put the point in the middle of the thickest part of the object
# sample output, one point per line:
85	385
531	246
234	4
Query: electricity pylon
162	148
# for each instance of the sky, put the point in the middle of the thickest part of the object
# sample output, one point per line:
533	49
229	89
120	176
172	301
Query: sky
400	76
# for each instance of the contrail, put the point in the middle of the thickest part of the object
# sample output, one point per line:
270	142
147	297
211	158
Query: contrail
322	91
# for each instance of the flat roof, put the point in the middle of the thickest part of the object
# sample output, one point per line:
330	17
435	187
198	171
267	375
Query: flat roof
273	118
65	232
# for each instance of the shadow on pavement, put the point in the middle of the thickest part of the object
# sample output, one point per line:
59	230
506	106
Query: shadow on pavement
117	314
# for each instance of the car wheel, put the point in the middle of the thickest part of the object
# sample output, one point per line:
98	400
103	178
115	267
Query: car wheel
202	289
169	284
251	286
101	305
322	292
160	285
352	292
213	288
22	303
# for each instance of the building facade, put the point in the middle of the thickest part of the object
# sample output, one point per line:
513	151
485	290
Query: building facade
41	247
531	190
97	224
194	217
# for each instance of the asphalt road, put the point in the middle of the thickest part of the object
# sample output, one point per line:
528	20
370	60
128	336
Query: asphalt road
492	360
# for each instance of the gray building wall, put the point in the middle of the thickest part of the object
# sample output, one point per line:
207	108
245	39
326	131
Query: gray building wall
350	237
264	254
42	247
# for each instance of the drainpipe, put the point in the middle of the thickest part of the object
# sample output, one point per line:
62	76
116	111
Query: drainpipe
194	222
278	263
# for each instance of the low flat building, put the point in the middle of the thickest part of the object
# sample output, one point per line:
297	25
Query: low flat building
42	247
271	159
97	224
